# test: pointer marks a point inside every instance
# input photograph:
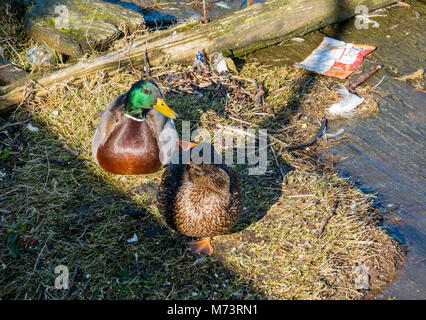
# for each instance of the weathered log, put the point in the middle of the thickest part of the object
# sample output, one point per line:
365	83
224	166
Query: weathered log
256	27
74	27
10	73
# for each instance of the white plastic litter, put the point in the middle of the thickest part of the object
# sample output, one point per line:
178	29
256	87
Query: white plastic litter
297	39
31	128
41	54
347	102
218	62
222	67
133	239
365	19
200	260
335	58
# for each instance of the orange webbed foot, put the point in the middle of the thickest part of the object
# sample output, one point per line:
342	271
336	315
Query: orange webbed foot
203	246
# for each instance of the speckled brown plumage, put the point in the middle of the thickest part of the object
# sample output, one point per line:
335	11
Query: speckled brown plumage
200	200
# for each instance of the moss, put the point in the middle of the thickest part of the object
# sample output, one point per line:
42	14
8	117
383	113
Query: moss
187	27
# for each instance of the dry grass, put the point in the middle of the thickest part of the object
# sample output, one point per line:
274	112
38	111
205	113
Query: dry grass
13	39
76	214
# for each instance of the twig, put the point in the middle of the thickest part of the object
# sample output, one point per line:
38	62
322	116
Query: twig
363	78
328	217
75	153
205	12
74	277
146	63
48	168
138	266
36	263
242	121
278	165
313	140
301	195
403	4
13	49
58	161
12	124
259	97
379	83
236	130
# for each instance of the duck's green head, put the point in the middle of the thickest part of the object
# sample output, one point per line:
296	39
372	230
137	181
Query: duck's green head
143	96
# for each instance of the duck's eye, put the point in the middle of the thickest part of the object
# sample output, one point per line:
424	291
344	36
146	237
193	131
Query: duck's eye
146	91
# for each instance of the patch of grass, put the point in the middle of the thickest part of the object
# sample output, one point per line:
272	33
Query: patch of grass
74	213
13	39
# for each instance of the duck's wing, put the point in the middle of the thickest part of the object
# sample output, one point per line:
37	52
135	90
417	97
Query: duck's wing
109	119
168	141
171	181
236	204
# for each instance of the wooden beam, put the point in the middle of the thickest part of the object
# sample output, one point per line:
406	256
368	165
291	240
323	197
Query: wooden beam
10	73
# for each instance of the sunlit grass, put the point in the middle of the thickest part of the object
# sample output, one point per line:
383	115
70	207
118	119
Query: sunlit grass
75	212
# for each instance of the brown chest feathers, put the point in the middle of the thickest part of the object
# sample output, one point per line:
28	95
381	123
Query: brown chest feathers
131	148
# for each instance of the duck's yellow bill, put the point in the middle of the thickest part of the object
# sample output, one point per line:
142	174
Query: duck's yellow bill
162	107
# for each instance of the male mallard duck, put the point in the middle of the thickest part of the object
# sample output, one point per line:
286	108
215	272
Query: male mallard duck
200	200
136	133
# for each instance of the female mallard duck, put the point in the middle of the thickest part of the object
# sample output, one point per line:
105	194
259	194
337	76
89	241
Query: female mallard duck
136	133
200	200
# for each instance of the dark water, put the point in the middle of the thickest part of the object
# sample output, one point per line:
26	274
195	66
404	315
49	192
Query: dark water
162	14
386	153
386	156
